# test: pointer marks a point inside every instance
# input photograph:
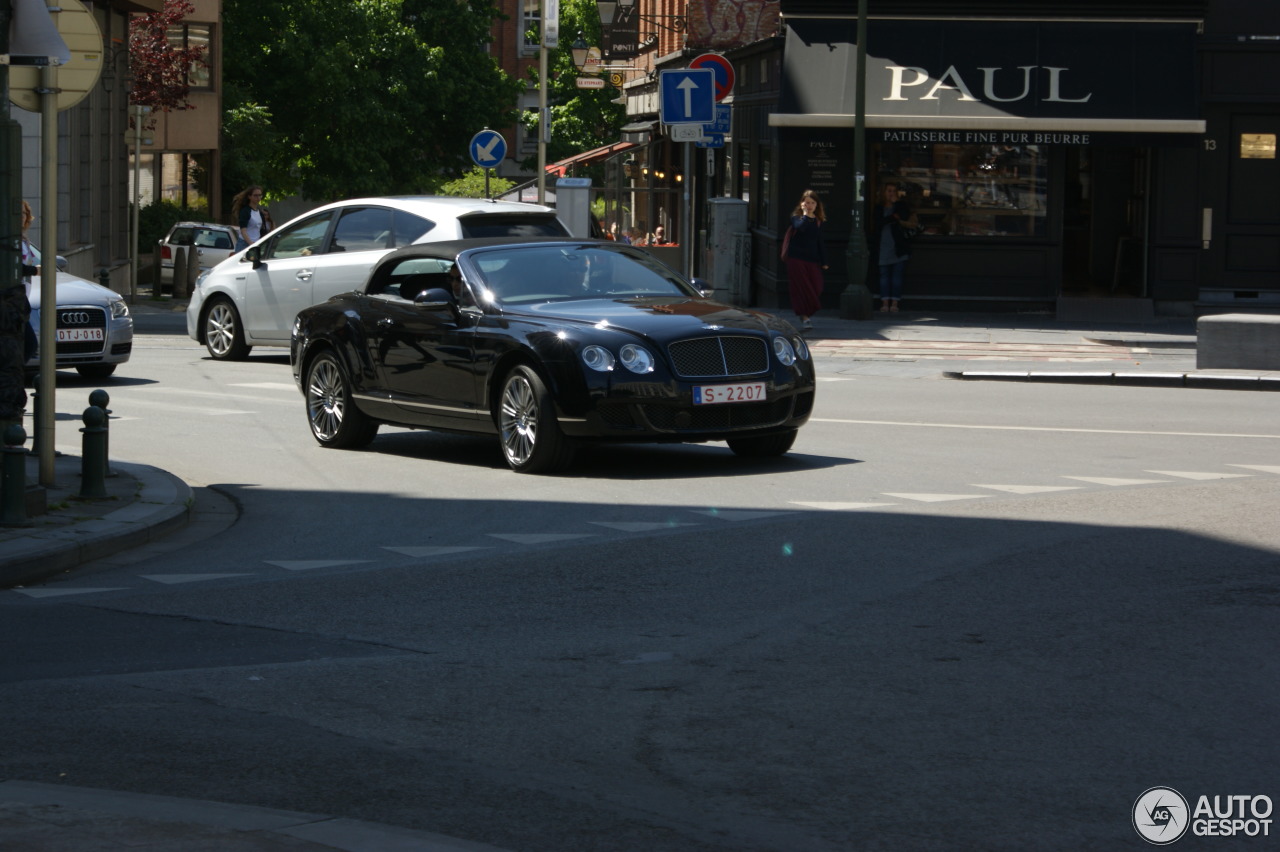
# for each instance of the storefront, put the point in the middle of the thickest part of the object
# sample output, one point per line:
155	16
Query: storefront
1040	155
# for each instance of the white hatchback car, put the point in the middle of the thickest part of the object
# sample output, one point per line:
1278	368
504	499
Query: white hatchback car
212	244
251	298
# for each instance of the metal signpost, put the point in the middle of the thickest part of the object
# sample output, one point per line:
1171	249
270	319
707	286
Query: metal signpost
687	101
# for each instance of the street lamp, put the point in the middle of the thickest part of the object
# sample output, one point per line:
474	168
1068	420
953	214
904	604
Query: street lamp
579	49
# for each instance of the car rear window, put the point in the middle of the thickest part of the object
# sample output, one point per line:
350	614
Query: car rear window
512	225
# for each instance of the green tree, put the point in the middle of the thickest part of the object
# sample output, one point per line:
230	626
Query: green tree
472	185
340	98
581	119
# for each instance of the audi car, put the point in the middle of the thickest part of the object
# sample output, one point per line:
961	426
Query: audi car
546	344
251	298
92	325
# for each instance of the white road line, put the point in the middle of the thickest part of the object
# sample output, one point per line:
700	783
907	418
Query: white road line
308	564
284	386
539	538
1030	489
839	507
1115	482
936	498
172	579
1195	474
1049	429
1265	468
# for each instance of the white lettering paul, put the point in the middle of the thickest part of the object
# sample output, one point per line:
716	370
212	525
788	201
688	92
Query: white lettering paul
898	81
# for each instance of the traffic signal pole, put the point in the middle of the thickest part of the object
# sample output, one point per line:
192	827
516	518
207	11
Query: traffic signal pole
855	301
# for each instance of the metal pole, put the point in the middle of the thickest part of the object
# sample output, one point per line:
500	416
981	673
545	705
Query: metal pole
855	302
686	232
133	221
544	122
48	269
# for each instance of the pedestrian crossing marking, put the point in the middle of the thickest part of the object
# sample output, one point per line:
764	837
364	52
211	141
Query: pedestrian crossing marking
936	498
1115	482
1195	474
1265	468
1030	489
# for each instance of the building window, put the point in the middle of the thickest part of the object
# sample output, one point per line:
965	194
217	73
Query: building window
531	25
970	190
200	74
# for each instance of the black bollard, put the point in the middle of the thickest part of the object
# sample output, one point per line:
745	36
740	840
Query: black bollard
102	399
13	477
93	454
36	417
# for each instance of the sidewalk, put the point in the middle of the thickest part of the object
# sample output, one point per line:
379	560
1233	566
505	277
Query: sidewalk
146	503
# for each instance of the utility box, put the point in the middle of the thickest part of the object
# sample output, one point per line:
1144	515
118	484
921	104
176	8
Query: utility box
729	250
573	205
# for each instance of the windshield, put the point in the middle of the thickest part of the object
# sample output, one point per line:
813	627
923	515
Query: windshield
516	275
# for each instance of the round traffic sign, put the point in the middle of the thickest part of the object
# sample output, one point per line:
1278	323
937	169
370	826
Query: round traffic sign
487	148
721	67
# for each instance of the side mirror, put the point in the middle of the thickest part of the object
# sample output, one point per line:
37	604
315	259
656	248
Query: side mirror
60	262
704	287
435	299
254	256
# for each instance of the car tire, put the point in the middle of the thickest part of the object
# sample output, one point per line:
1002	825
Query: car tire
764	446
223	333
526	417
335	420
96	371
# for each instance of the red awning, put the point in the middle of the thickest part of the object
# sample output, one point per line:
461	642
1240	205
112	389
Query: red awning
585	157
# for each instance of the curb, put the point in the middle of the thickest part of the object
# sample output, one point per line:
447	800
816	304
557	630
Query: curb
1180	380
162	506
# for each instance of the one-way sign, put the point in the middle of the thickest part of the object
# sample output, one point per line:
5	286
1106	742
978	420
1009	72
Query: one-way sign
688	96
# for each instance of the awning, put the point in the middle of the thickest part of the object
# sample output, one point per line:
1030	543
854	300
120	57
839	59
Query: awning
588	157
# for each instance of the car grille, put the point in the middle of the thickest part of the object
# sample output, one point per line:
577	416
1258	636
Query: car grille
718	357
708	418
81	318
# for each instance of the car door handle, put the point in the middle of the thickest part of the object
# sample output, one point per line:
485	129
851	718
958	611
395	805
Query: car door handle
305	274
386	322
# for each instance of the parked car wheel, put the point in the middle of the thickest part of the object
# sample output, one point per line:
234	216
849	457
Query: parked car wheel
335	420
763	446
223	336
531	439
96	371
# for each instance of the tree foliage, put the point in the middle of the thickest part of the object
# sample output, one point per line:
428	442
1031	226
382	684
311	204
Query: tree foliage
581	119
472	185
341	98
159	67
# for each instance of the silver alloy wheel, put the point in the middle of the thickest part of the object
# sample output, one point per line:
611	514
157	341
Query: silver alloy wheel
220	329
518	419
326	400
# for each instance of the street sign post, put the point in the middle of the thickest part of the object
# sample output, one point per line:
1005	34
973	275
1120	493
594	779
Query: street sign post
487	150
687	96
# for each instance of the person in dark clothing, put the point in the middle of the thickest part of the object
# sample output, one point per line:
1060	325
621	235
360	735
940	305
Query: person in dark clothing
806	257
889	242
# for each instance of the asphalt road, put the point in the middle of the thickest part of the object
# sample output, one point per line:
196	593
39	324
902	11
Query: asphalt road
957	616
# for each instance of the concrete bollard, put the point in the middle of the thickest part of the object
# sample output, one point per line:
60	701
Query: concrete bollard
93	454
102	399
13	477
179	270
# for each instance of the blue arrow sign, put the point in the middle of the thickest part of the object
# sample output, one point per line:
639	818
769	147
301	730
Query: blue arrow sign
487	148
688	96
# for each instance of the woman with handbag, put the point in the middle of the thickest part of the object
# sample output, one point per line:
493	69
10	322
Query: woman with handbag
893	224
806	257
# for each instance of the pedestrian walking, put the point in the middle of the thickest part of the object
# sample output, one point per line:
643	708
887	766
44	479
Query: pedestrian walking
806	257
253	221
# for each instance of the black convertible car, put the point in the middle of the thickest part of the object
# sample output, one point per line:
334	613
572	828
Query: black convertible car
542	342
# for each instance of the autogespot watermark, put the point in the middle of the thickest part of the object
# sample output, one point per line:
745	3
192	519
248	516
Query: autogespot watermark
1162	815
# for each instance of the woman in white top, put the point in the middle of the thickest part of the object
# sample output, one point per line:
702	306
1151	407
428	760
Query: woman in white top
252	219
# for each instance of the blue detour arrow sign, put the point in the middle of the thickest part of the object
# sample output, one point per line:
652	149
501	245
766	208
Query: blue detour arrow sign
487	148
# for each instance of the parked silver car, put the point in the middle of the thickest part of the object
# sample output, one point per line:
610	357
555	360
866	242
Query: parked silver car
252	298
93	328
210	242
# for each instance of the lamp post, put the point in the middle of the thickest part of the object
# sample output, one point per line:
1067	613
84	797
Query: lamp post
855	301
550	39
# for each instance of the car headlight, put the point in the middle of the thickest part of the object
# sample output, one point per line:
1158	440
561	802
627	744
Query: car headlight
200	280
784	350
119	309
802	348
636	358
597	358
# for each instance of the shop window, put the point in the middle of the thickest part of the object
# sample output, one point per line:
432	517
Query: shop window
970	190
1258	146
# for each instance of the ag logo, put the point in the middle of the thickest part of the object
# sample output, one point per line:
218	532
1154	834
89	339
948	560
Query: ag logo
1161	815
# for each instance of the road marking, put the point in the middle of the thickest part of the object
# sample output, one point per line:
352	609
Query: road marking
171	579
736	514
539	538
284	386
641	526
1115	482
308	564
421	552
937	498
165	406
57	593
1051	429
1193	474
1262	467
838	507
1030	489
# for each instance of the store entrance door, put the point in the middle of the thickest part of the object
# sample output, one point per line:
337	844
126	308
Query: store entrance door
1104	222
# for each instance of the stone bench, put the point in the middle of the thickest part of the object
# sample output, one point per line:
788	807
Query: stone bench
1238	342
